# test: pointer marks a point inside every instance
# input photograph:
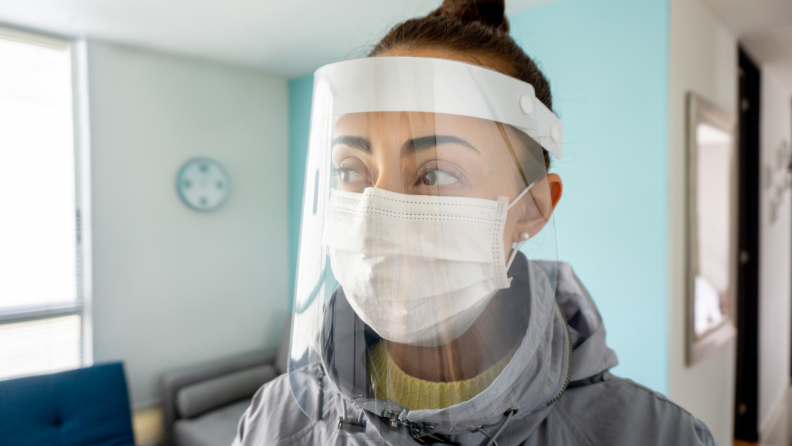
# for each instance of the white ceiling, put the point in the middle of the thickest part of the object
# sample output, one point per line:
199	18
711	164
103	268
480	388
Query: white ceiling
764	28
773	48
285	37
743	16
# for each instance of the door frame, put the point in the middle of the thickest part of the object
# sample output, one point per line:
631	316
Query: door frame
746	410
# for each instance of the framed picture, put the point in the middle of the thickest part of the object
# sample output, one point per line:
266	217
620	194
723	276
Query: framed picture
711	227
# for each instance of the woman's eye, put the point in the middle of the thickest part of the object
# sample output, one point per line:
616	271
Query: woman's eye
349	175
438	178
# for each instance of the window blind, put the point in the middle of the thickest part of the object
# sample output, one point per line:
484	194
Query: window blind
40	299
40	346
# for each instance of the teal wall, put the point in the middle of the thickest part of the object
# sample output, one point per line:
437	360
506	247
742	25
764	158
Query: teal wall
300	91
608	64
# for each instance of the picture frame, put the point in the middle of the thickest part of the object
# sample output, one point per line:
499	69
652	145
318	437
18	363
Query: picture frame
711	227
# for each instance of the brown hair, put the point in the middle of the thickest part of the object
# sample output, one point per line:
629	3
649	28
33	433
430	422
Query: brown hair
473	27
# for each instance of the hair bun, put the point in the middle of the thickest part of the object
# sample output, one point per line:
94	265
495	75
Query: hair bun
489	13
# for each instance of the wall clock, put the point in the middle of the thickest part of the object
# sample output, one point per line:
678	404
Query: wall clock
203	184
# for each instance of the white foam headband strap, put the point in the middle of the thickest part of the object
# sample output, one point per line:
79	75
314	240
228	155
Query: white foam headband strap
420	84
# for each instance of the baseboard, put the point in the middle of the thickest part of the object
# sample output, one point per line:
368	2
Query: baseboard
147	404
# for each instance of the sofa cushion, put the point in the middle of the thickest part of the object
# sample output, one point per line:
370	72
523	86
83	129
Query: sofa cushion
87	406
202	397
216	428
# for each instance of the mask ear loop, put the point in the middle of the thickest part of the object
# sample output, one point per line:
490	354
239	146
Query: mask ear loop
524	236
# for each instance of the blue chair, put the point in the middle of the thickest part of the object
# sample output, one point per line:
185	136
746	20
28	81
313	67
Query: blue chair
82	407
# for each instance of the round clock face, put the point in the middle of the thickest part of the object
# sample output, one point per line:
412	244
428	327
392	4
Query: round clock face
203	184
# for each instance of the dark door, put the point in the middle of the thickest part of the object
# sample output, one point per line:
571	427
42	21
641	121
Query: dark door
746	420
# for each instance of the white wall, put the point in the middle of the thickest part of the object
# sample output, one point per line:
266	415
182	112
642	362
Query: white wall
174	287
703	60
775	267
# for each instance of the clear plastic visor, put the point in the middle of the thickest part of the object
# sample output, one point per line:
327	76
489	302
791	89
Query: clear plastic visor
424	237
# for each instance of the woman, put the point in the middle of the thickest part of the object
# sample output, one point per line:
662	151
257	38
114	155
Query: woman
429	307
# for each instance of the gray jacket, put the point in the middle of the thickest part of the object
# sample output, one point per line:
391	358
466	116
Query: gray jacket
561	398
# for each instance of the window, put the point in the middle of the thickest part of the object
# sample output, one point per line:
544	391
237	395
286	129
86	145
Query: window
42	323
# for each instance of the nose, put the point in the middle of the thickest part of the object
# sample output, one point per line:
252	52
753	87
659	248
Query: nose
390	178
388	165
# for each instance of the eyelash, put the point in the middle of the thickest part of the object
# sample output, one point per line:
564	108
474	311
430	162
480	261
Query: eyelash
429	166
440	166
337	171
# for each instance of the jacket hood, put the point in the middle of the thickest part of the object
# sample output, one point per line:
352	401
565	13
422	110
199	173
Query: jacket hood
539	371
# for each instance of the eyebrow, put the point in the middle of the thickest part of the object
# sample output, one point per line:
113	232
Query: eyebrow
408	148
356	142
427	142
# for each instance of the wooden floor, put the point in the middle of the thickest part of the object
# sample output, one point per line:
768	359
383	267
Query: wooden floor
148	426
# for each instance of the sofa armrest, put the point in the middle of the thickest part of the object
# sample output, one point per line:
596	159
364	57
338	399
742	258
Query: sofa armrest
172	382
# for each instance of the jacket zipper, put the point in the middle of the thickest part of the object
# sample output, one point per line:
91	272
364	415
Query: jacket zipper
569	357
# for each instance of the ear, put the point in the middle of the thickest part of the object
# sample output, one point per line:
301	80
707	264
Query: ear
537	206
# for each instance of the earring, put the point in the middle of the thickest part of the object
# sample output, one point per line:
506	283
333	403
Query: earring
525	236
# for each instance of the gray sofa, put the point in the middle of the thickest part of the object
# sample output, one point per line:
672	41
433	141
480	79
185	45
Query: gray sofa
202	404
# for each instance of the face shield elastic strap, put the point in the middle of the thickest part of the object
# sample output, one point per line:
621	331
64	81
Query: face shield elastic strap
524	236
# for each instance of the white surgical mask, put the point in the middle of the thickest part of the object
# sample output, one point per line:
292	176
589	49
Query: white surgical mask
418	269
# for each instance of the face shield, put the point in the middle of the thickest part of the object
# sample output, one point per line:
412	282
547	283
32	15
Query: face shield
426	230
